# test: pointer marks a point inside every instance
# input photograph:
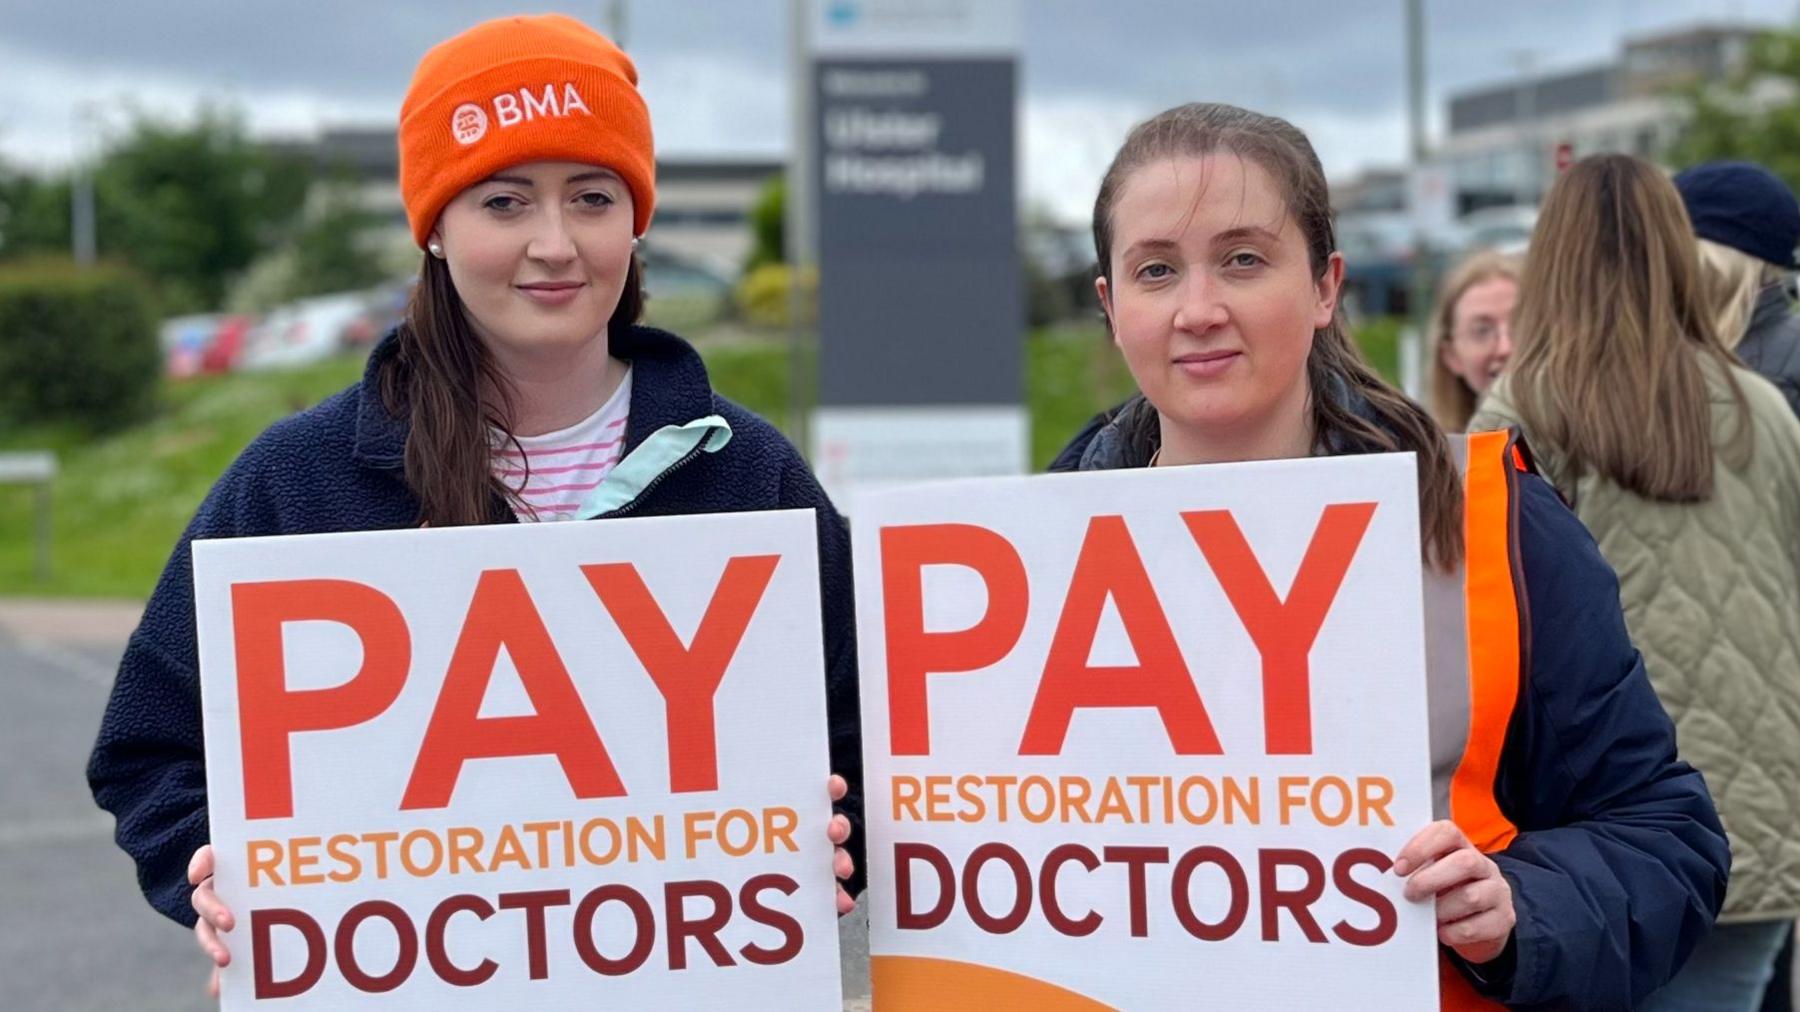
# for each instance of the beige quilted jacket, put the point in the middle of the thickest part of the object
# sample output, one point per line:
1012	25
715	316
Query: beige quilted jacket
1711	593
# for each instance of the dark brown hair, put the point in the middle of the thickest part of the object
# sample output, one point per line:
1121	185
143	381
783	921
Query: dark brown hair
446	383
1613	331
1397	425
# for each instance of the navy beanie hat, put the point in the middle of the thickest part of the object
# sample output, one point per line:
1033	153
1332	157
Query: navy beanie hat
1744	206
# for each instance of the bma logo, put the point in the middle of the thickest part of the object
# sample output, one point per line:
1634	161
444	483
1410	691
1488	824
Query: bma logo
468	123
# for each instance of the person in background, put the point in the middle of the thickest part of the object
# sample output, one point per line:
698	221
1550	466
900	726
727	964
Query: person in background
1471	334
520	388
1686	468
1748	224
1574	860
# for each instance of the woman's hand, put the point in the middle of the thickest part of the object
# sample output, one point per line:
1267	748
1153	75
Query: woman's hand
214	918
839	833
1474	901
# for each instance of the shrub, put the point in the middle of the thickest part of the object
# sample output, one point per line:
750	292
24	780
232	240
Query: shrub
76	345
763	300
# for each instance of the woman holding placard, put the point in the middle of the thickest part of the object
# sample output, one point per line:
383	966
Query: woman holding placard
1576	862
519	388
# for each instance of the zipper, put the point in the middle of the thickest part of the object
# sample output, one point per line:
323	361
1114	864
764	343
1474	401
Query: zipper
644	493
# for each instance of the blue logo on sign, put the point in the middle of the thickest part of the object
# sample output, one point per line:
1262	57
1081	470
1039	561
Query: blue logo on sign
844	12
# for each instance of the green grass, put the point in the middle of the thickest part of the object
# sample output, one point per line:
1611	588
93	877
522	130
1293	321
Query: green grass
1380	340
121	500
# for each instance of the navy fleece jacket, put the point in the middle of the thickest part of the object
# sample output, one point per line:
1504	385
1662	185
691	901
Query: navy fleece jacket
337	467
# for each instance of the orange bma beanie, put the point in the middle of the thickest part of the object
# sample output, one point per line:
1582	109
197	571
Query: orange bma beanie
516	90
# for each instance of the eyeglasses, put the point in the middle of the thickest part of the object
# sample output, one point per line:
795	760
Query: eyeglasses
1482	333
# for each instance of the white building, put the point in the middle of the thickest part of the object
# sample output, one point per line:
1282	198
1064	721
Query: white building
1502	142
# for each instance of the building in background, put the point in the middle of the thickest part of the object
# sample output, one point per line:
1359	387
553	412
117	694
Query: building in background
1502	140
698	240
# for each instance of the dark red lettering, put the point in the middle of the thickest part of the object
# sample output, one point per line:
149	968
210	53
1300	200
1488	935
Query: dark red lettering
704	930
262	924
1134	859
345	946
533	903
1385	917
1295	901
439	957
1079	927
971	891
644	926
1182	889
792	937
905	918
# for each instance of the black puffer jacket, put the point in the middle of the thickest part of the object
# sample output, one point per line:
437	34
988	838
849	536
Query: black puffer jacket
1771	345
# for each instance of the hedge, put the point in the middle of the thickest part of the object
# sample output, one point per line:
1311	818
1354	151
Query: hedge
76	345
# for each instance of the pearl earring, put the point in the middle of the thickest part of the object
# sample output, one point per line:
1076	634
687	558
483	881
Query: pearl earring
436	248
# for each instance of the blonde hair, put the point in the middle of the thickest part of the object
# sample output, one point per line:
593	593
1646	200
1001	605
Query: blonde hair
1730	282
1452	399
1612	333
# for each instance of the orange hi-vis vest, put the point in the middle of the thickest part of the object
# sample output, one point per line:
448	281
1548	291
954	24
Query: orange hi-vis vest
1475	659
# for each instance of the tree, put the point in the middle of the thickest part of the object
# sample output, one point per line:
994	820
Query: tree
1752	115
191	205
768	225
34	216
332	249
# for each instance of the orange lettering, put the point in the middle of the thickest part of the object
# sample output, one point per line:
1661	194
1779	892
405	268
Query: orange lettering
1109	566
1283	631
687	675
501	614
913	653
268	713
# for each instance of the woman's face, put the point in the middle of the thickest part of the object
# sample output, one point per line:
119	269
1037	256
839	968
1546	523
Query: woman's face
1212	298
1480	338
539	254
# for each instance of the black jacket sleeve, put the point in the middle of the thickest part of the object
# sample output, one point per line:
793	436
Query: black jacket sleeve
799	490
148	767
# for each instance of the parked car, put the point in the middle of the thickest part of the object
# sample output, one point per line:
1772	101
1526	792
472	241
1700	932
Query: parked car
384	309
1507	229
184	340
302	332
227	344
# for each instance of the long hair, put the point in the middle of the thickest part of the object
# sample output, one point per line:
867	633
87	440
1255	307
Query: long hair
1731	281
1452	399
447	384
1613	331
1284	153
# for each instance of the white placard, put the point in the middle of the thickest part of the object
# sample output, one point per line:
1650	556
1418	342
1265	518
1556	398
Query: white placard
1147	739
526	766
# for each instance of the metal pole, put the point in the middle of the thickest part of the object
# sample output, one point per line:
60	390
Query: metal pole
1525	109
43	532
81	187
616	14
1415	79
798	224
1418	306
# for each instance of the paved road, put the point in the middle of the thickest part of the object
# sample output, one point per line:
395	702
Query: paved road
75	933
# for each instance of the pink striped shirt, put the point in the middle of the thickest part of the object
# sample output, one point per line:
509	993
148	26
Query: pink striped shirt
554	472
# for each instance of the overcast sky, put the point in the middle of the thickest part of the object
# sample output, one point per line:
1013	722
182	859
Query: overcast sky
714	72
